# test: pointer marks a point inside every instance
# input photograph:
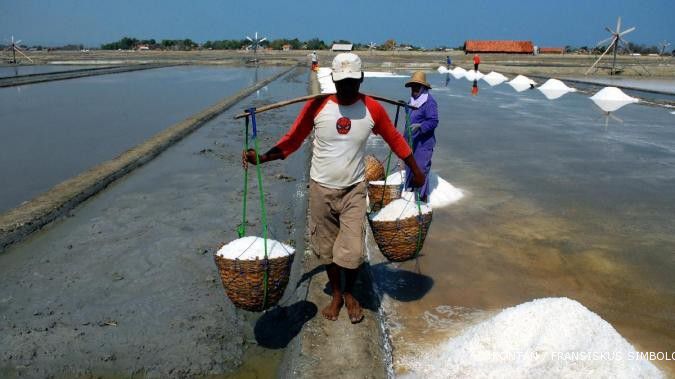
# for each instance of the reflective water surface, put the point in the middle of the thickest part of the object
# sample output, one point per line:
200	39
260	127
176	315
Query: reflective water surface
562	199
52	131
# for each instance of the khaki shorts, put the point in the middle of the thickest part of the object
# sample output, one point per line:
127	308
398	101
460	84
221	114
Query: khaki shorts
337	228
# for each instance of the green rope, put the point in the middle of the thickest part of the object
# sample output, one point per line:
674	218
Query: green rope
386	172
417	194
262	204
241	231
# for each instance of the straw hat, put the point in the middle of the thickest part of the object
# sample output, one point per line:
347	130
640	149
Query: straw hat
418	77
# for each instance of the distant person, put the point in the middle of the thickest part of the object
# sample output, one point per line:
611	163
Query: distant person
476	62
448	62
341	124
423	123
315	61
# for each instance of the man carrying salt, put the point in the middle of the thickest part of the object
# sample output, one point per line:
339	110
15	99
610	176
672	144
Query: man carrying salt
342	124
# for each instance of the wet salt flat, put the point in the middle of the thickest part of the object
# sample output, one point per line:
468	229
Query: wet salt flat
8	71
52	131
561	200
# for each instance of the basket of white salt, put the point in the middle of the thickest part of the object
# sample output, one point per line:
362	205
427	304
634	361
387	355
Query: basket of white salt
374	168
400	228
383	192
252	281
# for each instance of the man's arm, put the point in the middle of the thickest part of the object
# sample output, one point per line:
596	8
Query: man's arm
292	140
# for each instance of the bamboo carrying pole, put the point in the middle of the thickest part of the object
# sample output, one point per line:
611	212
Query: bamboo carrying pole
310	97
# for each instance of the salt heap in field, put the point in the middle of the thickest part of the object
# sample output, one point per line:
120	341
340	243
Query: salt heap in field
554	88
495	78
252	248
382	74
442	70
325	80
610	99
521	82
458	72
544	338
400	209
472	75
441	193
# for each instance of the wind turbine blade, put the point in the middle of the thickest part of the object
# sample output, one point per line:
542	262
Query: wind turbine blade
18	42
618	25
603	54
264	39
603	41
249	38
626	31
609	30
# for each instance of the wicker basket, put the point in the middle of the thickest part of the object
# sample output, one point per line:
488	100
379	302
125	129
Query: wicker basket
397	239
244	280
374	168
381	195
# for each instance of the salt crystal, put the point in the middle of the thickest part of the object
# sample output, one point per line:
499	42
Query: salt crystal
520	83
544	338
495	78
458	72
441	193
610	99
400	209
251	248
554	88
472	75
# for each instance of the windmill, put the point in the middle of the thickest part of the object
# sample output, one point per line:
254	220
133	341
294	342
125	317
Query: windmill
255	43
14	47
664	45
614	41
371	47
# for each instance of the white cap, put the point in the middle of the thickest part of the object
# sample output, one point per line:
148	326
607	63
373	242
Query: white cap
346	66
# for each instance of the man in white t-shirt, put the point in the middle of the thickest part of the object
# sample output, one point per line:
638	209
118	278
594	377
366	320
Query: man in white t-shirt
342	124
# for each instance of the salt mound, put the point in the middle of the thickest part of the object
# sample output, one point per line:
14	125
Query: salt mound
610	99
495	78
472	75
397	178
442	70
554	88
458	72
400	209
551	337
441	193
251	248
520	83
325	80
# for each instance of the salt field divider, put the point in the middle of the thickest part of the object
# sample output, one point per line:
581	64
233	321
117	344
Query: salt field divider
323	346
12	81
18	223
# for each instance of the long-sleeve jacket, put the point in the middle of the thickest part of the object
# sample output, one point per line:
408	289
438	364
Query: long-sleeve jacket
427	117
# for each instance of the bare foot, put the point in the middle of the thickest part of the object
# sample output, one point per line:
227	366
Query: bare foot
332	311
353	309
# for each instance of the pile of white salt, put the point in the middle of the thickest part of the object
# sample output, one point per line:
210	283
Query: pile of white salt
544	338
400	209
554	88
521	82
494	78
252	248
610	99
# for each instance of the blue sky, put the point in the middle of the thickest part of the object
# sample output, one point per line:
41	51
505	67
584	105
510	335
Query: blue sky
423	22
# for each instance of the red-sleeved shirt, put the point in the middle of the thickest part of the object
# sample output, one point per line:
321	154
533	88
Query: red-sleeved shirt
340	136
